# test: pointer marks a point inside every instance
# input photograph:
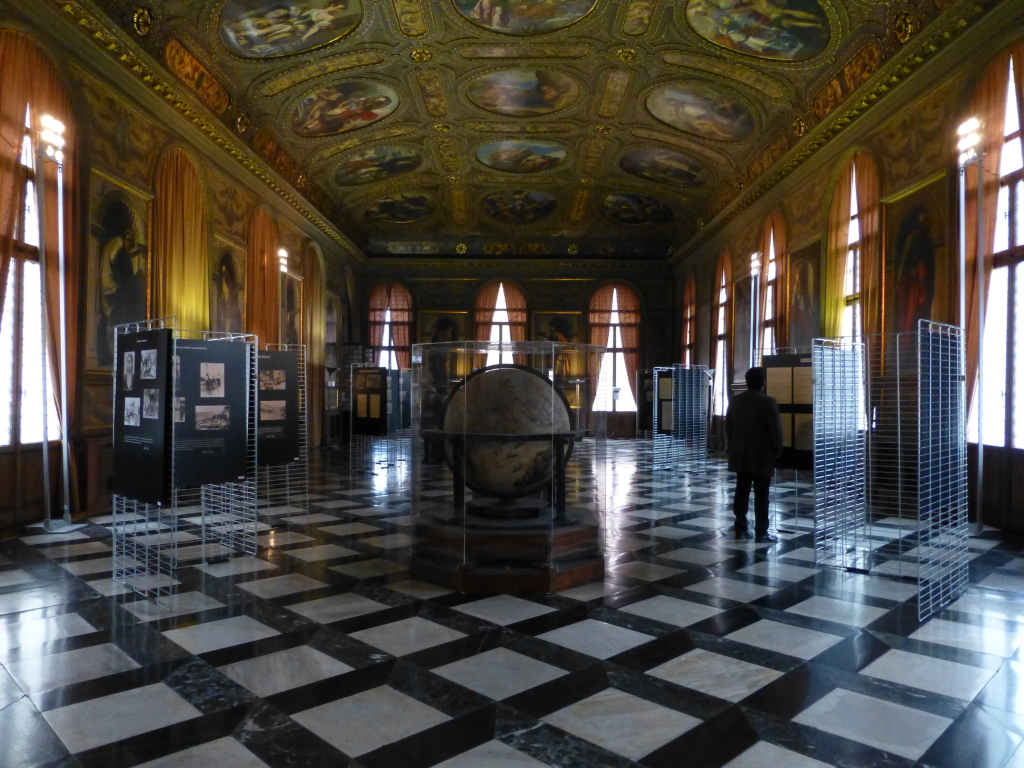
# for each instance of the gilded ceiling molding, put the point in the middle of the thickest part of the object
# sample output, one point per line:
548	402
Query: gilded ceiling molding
638	17
578	205
534	51
391	132
616	84
410	17
594	155
521	127
431	84
701	63
640	267
459	206
124	52
326	66
448	154
679	140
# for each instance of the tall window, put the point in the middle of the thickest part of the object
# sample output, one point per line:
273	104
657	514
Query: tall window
721	393
852	322
689	356
1002	353
771	281
615	323
390	317
21	329
500	318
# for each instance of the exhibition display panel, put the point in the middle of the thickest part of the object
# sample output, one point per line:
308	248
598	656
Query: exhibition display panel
282	435
380	418
494	434
681	396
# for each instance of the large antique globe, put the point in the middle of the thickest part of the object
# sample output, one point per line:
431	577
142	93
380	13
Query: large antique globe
493	407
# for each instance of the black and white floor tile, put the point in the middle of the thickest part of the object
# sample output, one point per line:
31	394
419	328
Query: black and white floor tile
695	650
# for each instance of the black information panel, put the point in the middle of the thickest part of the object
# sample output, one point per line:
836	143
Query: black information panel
141	400
210	412
370	409
279	407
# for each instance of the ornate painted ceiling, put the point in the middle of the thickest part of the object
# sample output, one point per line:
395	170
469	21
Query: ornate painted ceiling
543	128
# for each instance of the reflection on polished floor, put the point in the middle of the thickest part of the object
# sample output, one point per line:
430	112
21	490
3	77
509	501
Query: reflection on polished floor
695	650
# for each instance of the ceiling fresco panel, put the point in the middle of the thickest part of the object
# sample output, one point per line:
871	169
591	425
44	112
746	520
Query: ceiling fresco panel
787	30
524	17
346	106
262	29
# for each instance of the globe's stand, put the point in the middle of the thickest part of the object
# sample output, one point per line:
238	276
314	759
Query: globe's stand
507	509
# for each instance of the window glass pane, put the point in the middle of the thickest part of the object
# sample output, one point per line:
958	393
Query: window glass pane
1010	157
1019	219
32	364
605	381
626	403
1011	123
1018	360
1002	241
721	390
7	360
500	330
993	362
30	234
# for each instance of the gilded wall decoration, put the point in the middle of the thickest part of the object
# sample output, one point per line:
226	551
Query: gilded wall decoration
231	206
410	17
379	134
342	107
269	148
594	155
523	92
523	127
433	92
615	86
459	206
521	155
787	30
803	313
701	109
376	163
664	166
633	210
638	17
853	75
448	153
260	29
401	208
197	77
700	62
804	211
324	66
524	17
578	205
518	206
768	157
531	51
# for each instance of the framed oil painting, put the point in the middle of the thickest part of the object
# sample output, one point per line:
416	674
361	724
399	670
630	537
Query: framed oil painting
443	326
562	327
291	310
521	155
664	166
342	107
376	164
401	208
523	92
804	309
701	109
227	289
263	29
786	30
524	17
518	206
631	210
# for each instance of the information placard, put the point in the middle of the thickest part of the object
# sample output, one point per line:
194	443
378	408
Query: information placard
279	407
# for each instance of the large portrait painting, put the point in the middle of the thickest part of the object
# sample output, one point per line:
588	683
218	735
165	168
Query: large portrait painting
343	107
227	290
665	166
701	109
260	29
401	208
788	30
804	310
376	164
443	326
291	310
524	17
633	210
523	92
521	155
518	206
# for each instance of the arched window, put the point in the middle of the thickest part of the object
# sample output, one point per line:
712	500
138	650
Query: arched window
500	317
689	348
771	278
615	324
721	339
389	321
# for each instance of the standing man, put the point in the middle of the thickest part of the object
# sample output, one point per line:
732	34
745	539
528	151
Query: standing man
753	431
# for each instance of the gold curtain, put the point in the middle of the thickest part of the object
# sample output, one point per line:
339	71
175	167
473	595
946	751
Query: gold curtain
181	261
486	300
689	321
832	299
629	325
599	320
870	216
401	320
263	277
313	327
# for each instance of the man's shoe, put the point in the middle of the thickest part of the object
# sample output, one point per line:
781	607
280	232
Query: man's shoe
743	535
766	538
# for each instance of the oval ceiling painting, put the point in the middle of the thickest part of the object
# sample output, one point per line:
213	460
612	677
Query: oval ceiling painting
523	92
521	155
401	208
518	206
262	29
376	164
634	210
664	166
343	107
524	17
701	109
790	30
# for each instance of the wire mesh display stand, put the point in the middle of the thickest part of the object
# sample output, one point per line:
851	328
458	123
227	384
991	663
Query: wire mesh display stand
682	442
284	488
375	454
890	462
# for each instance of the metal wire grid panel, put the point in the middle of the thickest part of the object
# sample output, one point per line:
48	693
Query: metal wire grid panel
681	430
376	453
284	488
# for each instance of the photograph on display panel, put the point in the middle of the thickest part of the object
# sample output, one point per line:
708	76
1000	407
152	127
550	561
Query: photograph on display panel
211	380
179	410
273	379
148	364
212	418
128	373
278	434
132	408
151	403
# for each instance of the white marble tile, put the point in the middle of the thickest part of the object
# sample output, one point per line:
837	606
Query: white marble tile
53	538
669	532
421	590
370	569
236	566
591	591
807	555
886	589
622	723
109	587
771	569
504	609
224	633
984	605
626	543
284	670
881	724
638	569
369	720
44	673
35	632
322	552
16	602
947	678
225	752
93	565
647	514
997	642
731	589
282	538
697	556
202	551
765	755
407	636
499	673
168	606
312	519
284	509
493	754
671	610
687	506
335	504
783	638
391	541
1017	759
840	611
15	577
596	638
1004	581
279	586
337	607
712	523
74	550
714	674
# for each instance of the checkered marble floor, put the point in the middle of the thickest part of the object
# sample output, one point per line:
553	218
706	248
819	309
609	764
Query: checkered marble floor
695	650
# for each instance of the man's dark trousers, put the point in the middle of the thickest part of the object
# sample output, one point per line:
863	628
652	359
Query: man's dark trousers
741	501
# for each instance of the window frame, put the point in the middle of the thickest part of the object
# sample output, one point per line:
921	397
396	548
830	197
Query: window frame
721	345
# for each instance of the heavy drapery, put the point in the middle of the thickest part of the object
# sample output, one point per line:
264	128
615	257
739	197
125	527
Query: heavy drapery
688	356
263	278
869	210
773	226
833	301
313	328
396	297
599	320
629	327
486	302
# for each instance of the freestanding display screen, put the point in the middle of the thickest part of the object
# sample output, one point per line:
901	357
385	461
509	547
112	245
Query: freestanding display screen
141	401
279	407
211	391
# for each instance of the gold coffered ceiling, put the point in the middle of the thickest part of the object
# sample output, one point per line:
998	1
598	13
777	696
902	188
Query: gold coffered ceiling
522	127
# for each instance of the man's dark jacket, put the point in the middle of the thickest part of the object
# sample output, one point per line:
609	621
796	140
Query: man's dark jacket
753	429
